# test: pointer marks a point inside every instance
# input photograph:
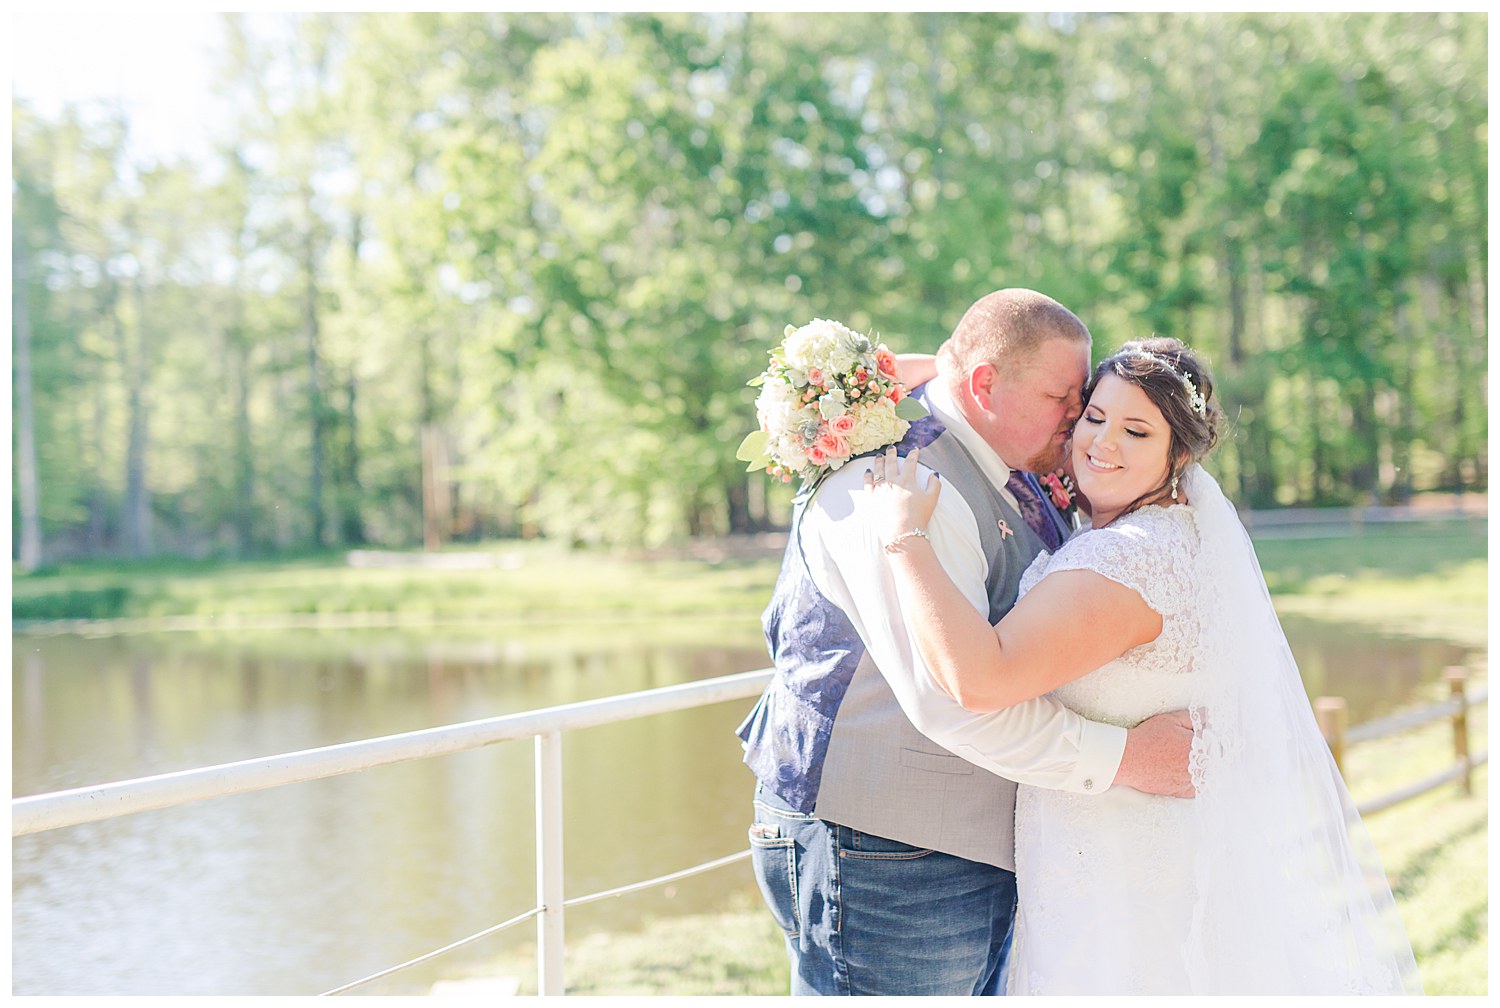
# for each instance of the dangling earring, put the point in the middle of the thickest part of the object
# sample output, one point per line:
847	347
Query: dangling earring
1174	487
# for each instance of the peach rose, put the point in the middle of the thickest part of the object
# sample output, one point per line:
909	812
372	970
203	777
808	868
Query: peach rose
833	445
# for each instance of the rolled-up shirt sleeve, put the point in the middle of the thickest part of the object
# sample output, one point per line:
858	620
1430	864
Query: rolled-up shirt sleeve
1039	742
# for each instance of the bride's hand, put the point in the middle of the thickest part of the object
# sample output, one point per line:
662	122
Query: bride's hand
893	497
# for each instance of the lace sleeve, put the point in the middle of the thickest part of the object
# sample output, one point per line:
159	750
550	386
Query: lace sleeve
1149	552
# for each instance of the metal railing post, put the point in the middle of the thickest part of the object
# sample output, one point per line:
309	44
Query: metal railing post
1333	722
549	864
1456	676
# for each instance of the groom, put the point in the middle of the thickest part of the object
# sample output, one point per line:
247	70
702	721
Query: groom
883	835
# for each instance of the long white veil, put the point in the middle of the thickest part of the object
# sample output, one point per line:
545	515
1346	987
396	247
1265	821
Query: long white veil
1291	894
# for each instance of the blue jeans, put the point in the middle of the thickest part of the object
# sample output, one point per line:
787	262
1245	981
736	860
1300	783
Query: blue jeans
866	915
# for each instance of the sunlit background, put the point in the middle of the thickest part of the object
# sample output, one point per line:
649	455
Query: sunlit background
294	292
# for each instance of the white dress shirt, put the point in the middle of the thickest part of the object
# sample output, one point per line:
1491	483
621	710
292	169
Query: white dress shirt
1039	742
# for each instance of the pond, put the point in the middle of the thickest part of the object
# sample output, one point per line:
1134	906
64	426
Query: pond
300	889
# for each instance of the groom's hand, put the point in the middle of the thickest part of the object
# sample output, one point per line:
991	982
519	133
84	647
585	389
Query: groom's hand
1156	756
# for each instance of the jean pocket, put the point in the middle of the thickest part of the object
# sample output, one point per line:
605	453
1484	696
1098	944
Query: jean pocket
774	859
867	846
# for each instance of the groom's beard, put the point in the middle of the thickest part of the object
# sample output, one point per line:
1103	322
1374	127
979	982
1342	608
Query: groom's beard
1049	460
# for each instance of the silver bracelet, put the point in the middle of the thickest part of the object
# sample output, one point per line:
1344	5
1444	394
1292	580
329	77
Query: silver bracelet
892	546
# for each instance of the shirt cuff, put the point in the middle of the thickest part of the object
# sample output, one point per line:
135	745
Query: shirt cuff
1100	749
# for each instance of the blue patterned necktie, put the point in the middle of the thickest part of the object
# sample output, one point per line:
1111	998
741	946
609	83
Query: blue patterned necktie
1033	505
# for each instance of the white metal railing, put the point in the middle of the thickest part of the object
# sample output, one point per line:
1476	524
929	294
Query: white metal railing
59	809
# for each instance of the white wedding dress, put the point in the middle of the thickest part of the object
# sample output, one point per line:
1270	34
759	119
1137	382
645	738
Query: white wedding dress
1265	882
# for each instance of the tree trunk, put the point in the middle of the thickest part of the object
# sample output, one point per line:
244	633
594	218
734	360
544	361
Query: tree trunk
697	514
737	498
434	487
137	364
314	380
351	522
26	468
284	473
1365	474
244	447
1406	421
96	535
435	504
1234	276
1474	457
1316	423
351	518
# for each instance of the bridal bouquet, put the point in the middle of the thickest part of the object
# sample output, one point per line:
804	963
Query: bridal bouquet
828	395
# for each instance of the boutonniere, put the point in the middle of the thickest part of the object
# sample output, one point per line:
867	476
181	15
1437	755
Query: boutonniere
1060	486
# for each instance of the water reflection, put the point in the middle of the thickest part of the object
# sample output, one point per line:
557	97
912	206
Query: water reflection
302	888
1376	675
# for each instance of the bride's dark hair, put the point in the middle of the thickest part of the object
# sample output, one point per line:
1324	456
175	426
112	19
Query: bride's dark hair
1179	385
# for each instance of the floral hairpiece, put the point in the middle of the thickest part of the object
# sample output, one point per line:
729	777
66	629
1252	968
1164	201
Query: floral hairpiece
829	394
1196	399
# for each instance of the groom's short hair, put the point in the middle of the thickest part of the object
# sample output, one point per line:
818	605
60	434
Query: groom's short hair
1005	327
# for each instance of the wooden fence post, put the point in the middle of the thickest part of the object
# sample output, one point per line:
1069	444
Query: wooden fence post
1333	719
1456	677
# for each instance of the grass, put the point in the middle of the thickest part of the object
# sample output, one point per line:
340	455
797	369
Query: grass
1425	578
737	951
530	582
1435	848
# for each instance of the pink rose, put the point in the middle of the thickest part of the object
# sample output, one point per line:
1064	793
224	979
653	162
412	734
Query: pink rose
832	445
815	376
886	361
817	456
842	425
897	393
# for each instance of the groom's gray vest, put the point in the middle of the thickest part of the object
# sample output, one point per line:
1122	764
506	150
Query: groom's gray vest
828	736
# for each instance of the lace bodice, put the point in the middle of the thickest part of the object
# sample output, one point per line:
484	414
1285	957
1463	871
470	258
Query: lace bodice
1149	551
1087	864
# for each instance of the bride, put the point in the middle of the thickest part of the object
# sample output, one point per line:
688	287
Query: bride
1265	883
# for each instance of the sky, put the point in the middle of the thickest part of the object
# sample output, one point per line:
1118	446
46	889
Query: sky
157	64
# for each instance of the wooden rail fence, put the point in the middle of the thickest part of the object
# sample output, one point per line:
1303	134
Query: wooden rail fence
1333	721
